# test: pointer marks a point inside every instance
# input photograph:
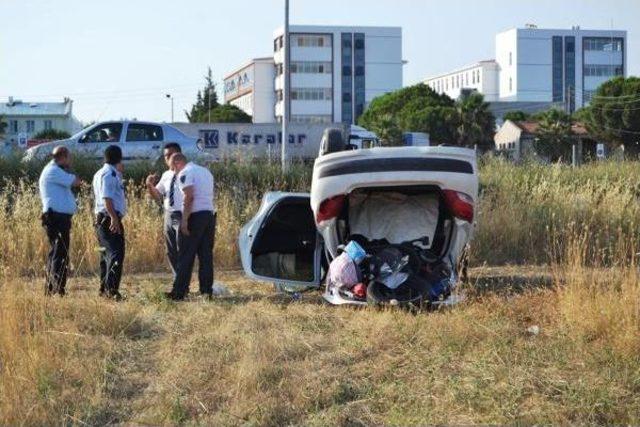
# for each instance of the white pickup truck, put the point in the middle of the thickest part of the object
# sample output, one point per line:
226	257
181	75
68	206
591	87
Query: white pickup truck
421	198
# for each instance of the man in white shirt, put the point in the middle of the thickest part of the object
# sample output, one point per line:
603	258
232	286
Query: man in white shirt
197	227
166	191
58	207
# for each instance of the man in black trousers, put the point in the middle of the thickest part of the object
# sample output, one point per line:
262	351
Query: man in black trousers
197	227
58	208
110	206
166	191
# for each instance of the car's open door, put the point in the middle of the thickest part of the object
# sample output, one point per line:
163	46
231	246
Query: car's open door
281	243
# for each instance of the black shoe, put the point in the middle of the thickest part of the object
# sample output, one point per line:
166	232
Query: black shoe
174	297
116	296
207	296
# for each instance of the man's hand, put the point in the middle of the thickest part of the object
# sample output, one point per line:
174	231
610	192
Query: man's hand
152	180
184	226
115	227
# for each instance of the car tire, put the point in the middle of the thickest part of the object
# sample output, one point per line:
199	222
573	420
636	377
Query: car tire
332	141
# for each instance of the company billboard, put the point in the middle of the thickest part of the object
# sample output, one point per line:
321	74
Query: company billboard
225	140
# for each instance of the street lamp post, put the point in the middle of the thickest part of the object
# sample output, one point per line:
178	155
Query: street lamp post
285	88
169	96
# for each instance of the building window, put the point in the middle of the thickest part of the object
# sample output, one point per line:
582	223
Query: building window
602	70
570	70
48	125
279	95
311	118
311	40
466	78
13	126
310	67
603	44
311	94
510	59
31	126
588	95
347	78
359	74
556	69
510	84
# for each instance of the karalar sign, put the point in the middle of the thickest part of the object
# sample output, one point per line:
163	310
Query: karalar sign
212	138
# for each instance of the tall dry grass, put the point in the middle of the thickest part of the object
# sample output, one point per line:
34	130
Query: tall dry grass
259	359
239	189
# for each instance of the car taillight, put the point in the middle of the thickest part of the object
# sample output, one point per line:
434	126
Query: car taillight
459	204
330	208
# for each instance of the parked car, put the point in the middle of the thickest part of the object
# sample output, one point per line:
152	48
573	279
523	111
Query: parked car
419	199
140	141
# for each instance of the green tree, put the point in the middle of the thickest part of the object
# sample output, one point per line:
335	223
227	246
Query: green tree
206	99
515	116
52	134
476	124
614	114
417	109
555	137
229	114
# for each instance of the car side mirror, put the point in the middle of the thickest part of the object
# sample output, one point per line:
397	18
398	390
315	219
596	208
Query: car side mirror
83	139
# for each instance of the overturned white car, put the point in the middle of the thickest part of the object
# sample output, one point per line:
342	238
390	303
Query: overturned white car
410	208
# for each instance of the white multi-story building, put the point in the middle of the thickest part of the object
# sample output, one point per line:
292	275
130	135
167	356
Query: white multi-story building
481	76
26	119
555	65
250	88
335	72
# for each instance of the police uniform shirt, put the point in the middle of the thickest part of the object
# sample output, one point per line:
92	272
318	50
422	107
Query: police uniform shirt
201	179
107	184
55	189
169	189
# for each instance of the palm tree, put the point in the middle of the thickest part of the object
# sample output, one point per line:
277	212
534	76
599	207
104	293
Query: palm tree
554	135
476	124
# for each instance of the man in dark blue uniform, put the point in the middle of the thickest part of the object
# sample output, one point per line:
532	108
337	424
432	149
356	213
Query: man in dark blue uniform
110	208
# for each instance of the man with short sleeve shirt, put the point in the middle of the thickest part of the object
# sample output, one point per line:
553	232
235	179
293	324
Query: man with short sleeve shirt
110	208
166	191
58	208
197	227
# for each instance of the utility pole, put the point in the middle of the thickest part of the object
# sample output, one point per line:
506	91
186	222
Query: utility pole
285	89
169	96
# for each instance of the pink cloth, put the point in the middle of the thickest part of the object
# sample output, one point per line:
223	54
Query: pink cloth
342	272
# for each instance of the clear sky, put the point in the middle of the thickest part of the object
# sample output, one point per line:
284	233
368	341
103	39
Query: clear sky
118	58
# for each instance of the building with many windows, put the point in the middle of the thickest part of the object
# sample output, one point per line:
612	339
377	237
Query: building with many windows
552	65
481	76
250	88
335	72
25	119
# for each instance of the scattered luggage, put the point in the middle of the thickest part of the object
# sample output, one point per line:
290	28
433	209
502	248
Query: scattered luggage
380	273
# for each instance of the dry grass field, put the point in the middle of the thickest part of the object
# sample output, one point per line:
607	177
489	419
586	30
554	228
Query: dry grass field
556	248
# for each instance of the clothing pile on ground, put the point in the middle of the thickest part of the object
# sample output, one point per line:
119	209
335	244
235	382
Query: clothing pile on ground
381	273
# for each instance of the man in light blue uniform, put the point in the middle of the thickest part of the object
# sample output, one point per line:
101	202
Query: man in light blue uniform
110	208
58	207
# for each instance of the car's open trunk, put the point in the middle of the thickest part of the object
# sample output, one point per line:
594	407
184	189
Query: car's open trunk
396	214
